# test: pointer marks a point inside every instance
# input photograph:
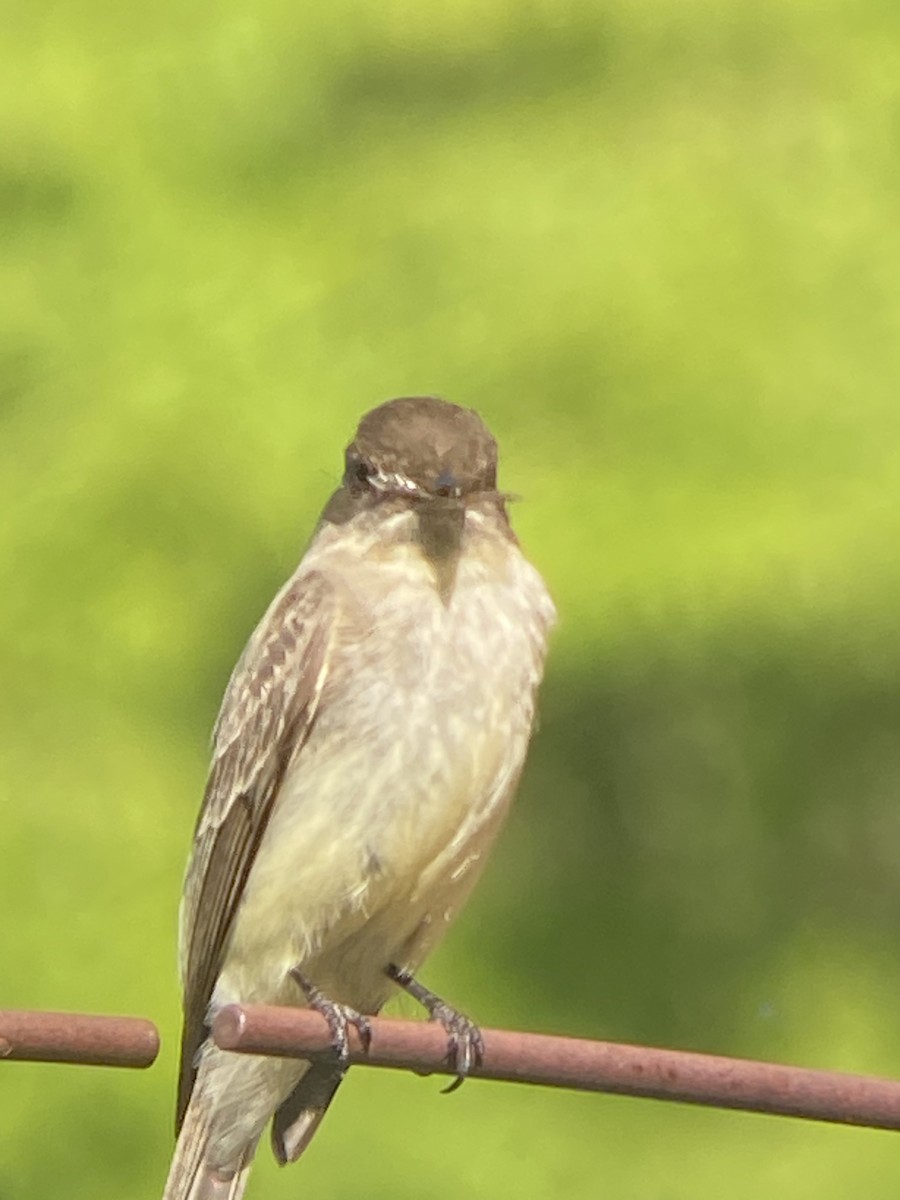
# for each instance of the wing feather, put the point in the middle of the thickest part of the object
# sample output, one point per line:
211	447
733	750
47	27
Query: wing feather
266	716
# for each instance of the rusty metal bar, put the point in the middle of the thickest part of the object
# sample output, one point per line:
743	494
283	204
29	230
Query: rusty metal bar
576	1063
77	1038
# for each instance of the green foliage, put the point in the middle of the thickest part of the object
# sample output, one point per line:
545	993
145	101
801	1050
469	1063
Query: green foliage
657	246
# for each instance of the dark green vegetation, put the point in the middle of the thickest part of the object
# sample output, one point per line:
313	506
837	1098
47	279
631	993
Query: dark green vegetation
657	245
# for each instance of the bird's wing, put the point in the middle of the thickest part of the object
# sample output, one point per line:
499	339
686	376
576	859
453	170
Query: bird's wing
266	717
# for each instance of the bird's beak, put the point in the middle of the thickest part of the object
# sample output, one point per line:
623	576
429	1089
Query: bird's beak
441	522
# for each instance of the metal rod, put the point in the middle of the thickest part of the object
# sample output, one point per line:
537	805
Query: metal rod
576	1063
77	1038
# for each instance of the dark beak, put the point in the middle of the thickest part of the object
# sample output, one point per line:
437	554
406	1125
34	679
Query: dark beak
441	523
446	485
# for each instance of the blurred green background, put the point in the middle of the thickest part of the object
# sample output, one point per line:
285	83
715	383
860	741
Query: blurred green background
658	247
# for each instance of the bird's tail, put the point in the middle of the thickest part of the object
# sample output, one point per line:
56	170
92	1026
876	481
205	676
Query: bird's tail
190	1176
300	1114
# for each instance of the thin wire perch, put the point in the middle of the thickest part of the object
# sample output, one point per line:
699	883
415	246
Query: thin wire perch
418	1046
583	1065
77	1038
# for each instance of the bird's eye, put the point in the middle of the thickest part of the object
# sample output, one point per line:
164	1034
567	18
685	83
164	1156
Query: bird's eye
359	472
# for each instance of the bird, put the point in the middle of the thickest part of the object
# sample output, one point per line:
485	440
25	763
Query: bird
368	746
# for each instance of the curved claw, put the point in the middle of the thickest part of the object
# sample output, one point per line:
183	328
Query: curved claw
339	1018
465	1045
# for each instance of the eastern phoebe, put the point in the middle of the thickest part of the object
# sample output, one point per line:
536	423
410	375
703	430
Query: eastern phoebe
368	746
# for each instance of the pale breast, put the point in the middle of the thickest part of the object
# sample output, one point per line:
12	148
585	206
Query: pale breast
434	702
418	742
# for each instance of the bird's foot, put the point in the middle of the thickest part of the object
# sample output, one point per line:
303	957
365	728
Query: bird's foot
465	1045
339	1017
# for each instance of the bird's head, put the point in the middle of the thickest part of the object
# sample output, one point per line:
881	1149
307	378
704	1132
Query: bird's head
423	449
